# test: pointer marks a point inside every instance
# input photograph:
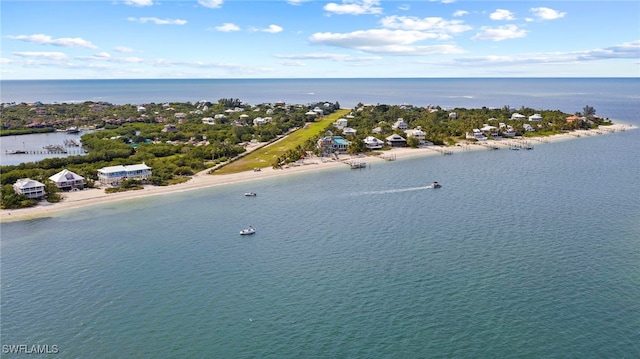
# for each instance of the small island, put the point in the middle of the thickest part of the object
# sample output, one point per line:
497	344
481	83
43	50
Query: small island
133	147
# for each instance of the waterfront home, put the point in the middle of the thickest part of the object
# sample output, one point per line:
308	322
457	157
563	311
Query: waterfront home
575	118
66	180
114	175
373	143
333	144
476	134
417	133
527	127
396	140
517	116
30	188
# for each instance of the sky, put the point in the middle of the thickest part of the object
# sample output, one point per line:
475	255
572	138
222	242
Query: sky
141	39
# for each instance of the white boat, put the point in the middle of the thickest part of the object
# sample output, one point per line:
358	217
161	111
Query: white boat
434	185
250	194
248	230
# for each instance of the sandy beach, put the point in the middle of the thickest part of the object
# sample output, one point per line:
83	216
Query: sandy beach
95	196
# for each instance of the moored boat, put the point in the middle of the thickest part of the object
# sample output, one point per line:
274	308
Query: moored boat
250	194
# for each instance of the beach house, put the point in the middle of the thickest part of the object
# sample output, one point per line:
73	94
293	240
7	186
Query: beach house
333	144
114	175
30	188
396	140
66	180
373	143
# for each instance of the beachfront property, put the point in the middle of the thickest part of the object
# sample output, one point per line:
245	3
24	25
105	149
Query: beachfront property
417	133
114	175
373	143
30	188
527	127
332	144
476	134
67	180
396	140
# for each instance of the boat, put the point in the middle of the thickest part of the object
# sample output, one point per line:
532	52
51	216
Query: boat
15	152
435	185
72	130
250	194
248	230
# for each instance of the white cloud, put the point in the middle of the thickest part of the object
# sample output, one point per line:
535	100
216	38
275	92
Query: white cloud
404	7
459	13
227	27
384	41
296	2
212	4
545	13
102	55
501	14
157	21
139	3
48	40
58	56
4	60
354	7
424	24
629	50
499	33
273	29
328	56
123	49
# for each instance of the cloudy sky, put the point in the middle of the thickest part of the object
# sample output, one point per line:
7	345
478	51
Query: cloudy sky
94	39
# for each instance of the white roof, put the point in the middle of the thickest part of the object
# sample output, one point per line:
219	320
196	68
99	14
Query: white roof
121	168
27	183
65	175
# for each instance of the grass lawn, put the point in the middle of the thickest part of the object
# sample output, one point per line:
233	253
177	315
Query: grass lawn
265	156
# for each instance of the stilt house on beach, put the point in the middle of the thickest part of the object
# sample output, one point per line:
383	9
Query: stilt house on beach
114	175
30	188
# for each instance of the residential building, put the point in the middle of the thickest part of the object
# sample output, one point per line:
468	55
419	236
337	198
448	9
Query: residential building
66	180
30	188
113	175
396	140
373	143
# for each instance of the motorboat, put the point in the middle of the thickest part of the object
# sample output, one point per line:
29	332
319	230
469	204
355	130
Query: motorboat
250	194
248	230
435	185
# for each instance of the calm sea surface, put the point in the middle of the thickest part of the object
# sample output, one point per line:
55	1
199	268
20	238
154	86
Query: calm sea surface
521	254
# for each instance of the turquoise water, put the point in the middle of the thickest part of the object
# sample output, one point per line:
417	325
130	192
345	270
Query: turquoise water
521	254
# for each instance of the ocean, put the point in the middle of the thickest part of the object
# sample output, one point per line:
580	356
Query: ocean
521	254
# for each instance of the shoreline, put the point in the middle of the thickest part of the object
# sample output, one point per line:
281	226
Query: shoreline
97	196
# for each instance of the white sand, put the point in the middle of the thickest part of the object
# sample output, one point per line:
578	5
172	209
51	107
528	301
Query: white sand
72	200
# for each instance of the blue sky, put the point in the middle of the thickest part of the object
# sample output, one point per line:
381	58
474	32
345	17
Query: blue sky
96	39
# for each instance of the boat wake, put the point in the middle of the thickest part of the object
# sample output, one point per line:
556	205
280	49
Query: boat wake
387	191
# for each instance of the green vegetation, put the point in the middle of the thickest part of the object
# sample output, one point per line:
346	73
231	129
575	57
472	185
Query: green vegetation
178	140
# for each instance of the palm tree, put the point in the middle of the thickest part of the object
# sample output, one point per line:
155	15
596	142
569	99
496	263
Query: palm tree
588	111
